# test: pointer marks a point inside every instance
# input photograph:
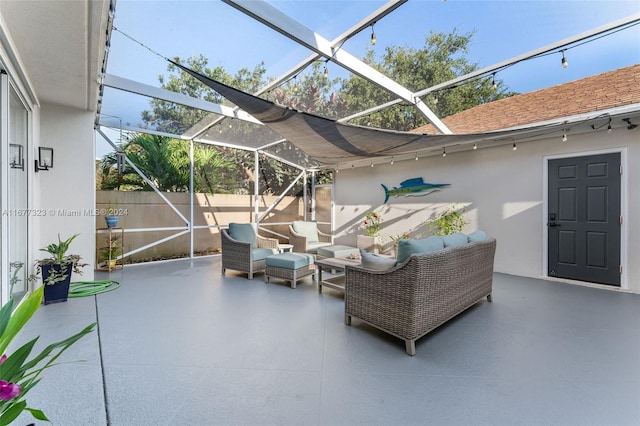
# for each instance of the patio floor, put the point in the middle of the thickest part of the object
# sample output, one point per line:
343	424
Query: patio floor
180	344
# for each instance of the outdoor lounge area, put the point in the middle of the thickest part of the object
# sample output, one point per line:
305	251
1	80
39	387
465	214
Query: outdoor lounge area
181	344
381	212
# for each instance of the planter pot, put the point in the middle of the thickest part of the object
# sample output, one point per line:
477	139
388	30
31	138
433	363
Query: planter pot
370	244
59	291
112	221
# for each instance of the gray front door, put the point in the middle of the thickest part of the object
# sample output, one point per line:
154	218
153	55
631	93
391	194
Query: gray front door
583	219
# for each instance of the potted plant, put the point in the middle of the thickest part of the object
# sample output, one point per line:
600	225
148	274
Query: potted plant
448	222
371	225
111	215
56	270
111	251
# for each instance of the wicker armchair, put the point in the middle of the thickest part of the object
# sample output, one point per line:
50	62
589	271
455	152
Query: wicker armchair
306	238
244	250
425	291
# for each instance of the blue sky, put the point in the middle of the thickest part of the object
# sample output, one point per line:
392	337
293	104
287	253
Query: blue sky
503	29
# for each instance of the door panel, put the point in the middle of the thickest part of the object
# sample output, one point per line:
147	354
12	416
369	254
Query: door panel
583	218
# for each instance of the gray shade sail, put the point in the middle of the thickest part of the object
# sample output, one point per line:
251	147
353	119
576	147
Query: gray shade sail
330	143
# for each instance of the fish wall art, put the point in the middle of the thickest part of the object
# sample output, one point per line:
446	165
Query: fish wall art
412	187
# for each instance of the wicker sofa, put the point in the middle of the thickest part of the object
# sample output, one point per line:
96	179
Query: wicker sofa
426	290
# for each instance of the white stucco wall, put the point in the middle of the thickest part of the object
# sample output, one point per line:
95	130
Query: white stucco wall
69	186
502	191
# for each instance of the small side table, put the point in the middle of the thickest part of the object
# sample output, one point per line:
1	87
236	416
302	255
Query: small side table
285	248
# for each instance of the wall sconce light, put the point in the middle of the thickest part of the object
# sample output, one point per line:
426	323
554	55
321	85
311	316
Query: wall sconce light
45	159
15	156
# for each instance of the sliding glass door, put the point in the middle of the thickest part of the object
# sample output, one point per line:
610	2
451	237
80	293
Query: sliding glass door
14	125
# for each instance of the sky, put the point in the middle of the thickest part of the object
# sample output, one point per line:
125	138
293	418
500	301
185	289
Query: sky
502	30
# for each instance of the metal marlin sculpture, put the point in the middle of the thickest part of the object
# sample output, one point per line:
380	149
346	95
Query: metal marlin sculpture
412	187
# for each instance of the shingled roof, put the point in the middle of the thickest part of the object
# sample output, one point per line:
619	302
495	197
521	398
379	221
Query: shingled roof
600	92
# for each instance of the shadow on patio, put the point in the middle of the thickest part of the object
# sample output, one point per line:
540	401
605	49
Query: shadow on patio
180	344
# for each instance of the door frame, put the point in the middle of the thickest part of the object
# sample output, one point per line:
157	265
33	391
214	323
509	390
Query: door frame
624	233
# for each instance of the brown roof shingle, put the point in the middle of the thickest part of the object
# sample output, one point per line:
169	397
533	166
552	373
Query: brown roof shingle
607	90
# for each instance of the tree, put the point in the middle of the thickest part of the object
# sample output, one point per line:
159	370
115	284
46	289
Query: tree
442	58
165	162
173	118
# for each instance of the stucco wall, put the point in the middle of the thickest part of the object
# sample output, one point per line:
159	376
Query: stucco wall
502	191
69	186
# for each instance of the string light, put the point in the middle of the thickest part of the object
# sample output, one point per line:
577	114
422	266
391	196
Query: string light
373	35
416	156
372	164
564	136
564	60
475	146
444	152
515	148
609	129
494	85
325	75
392	161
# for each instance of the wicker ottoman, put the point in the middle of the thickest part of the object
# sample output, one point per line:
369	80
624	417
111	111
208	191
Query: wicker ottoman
289	266
337	251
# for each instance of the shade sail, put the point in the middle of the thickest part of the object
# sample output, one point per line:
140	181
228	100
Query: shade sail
331	143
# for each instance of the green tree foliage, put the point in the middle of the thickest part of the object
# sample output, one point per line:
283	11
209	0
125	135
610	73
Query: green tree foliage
165	162
173	118
442	58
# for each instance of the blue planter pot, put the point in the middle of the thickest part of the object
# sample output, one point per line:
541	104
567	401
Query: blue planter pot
112	221
59	291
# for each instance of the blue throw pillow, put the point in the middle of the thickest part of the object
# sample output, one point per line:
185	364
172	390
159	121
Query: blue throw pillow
408	247
477	236
455	240
376	263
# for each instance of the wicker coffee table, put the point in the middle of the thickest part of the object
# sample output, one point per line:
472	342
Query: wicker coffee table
337	266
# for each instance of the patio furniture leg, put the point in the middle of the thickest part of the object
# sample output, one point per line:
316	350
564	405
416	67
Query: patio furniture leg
410	346
489	299
347	319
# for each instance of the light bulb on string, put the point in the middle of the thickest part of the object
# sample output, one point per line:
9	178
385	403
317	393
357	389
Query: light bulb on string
444	152
475	146
392	161
494	85
373	36
564	136
564	61
515	148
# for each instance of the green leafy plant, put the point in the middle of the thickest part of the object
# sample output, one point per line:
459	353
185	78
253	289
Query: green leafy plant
372	224
112	249
17	374
60	258
395	239
448	222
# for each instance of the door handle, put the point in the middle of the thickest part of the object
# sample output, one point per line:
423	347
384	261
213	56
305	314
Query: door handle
552	224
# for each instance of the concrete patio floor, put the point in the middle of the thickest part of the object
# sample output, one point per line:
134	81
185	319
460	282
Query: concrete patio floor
180	344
